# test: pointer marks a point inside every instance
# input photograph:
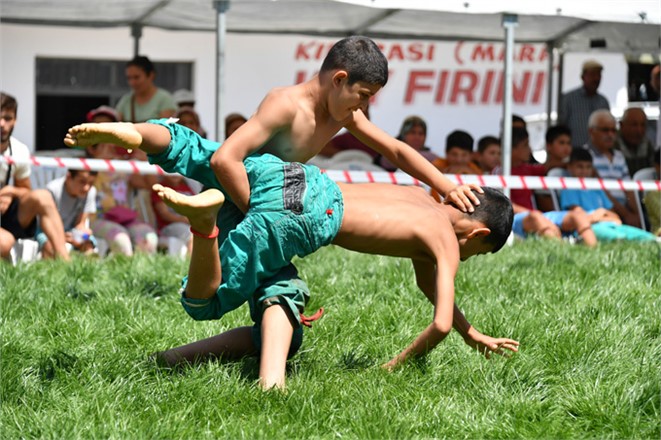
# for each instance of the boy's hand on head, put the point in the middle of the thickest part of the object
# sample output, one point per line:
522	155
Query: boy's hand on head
463	198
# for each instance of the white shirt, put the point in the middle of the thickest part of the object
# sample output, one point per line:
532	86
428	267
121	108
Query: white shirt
19	152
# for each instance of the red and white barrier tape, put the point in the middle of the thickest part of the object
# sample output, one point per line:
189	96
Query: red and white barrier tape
359	176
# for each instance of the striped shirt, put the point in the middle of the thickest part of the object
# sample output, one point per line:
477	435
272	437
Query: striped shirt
614	168
575	110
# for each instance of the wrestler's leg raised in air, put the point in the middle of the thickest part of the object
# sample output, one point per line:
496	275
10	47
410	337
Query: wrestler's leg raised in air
150	138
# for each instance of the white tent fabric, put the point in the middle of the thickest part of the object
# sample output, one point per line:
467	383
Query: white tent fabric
567	24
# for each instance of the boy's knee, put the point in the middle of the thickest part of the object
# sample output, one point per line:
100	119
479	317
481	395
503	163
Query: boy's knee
121	244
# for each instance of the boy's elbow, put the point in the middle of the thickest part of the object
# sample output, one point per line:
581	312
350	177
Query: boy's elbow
442	328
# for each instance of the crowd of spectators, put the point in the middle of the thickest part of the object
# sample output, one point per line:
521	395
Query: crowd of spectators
98	212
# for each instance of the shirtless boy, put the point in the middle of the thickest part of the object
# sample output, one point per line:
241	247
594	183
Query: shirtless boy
294	210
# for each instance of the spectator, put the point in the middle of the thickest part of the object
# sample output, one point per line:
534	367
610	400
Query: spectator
458	151
347	141
170	224
558	147
188	117
232	122
632	140
20	206
655	83
519	122
75	197
610	163
488	155
521	167
117	222
652	200
553	224
146	101
184	98
577	105
606	224
413	132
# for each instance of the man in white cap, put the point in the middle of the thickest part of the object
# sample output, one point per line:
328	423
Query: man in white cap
577	105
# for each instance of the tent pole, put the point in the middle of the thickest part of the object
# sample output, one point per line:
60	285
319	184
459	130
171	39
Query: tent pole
510	21
136	33
221	7
549	84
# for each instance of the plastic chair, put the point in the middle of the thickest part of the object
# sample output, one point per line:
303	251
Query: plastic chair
643	174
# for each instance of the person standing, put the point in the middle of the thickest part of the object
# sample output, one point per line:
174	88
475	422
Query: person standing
145	101
577	105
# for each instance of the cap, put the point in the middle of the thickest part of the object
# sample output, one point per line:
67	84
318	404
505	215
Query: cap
183	96
592	64
103	110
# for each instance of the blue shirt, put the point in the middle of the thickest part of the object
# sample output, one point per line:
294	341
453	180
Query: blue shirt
587	199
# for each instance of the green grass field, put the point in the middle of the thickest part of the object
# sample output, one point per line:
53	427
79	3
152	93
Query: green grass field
76	339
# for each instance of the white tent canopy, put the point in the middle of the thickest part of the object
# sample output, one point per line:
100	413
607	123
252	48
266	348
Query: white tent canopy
631	25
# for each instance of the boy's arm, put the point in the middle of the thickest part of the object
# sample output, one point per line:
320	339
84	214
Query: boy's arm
441	276
412	162
275	113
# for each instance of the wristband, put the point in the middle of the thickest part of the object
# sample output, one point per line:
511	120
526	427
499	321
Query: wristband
211	236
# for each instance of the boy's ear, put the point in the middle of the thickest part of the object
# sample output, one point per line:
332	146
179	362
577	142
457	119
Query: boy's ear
339	76
479	232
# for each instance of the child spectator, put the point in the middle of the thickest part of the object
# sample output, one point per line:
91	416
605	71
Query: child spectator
558	147
170	224
458	151
188	117
606	224
413	132
75	197
232	122
520	167
488	154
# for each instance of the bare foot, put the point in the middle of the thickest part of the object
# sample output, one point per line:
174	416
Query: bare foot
200	209
123	134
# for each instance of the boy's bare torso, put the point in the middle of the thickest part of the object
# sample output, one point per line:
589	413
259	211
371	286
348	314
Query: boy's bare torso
310	128
394	220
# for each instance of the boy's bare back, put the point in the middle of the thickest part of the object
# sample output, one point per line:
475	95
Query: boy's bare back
396	220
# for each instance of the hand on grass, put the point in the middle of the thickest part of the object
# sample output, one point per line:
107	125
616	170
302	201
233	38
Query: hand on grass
462	197
487	345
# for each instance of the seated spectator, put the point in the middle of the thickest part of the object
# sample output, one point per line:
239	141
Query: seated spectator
610	163
20	206
652	200
414	133
232	122
553	224
558	147
518	122
521	167
75	197
347	141
458	152
184	98
117	222
170	224
488	154
606	224
632	140
188	117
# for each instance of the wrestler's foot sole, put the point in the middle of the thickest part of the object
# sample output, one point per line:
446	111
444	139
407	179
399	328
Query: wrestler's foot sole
123	134
201	209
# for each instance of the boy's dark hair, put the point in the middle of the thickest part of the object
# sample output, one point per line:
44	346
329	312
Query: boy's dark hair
519	119
459	139
519	135
361	58
74	173
485	142
555	132
580	154
411	122
495	211
8	102
142	62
